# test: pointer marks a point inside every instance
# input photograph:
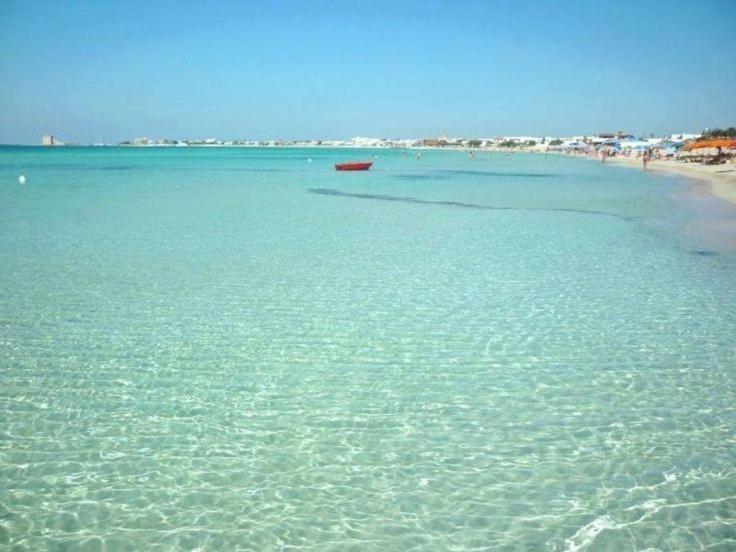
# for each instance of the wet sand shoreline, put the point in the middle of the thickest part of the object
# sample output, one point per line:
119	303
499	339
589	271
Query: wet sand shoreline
720	179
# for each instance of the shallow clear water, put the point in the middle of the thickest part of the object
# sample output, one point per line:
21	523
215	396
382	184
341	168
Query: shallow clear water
233	348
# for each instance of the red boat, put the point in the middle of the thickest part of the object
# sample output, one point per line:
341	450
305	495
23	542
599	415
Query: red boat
354	166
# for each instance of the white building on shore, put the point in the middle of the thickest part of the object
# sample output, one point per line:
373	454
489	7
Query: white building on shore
49	140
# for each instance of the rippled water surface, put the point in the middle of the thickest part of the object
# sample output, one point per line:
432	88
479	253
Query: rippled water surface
243	349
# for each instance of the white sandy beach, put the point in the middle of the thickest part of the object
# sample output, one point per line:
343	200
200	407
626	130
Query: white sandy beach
720	178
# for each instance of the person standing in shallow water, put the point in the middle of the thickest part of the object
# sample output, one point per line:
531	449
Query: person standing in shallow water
645	159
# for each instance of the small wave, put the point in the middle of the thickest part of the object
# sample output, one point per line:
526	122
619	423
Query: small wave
497	174
413	177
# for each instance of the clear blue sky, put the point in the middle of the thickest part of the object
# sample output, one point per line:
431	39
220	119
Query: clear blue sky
107	71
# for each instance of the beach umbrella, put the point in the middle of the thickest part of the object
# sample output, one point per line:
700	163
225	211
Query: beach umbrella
713	143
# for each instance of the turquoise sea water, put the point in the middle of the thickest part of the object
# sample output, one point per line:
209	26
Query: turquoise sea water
241	349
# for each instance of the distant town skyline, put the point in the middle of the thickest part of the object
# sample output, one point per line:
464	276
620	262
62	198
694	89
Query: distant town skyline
621	141
92	72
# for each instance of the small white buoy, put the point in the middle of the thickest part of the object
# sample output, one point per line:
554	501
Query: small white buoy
309	160
22	179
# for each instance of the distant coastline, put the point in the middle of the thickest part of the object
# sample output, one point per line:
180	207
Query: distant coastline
536	143
721	178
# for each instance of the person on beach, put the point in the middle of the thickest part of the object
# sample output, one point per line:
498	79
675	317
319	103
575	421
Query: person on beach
645	159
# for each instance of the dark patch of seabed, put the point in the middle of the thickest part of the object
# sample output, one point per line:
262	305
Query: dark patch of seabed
463	205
